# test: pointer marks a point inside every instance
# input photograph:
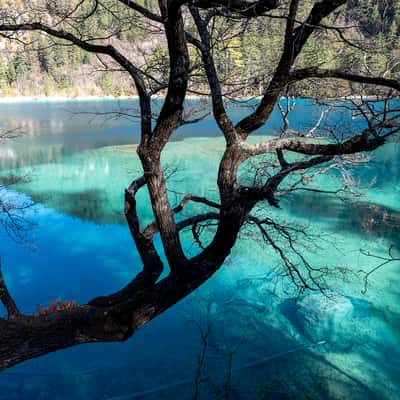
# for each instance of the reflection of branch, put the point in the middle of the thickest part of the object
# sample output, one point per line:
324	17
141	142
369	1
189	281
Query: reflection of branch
383	261
205	328
12	212
11	133
204	334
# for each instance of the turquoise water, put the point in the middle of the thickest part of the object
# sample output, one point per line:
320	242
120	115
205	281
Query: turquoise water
276	343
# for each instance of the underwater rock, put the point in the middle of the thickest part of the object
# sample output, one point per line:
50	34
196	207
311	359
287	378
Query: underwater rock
332	318
213	308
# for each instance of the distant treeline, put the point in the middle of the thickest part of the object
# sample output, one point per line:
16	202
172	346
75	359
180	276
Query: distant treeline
42	68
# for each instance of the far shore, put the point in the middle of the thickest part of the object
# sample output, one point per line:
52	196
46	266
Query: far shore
31	99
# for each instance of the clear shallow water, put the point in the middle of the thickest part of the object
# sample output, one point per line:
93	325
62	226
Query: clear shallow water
346	347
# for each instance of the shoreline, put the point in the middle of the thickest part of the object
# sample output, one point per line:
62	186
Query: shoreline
44	99
40	99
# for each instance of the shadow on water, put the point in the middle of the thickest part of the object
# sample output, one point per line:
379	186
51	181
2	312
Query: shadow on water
366	219
87	205
310	376
295	375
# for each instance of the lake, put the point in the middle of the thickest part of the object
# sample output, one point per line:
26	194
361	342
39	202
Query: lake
265	340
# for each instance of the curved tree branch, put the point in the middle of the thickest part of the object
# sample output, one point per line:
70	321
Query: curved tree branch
243	7
220	114
142	10
7	300
295	40
307	73
368	140
111	51
118	316
152	228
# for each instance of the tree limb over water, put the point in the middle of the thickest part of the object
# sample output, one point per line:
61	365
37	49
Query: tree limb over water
292	155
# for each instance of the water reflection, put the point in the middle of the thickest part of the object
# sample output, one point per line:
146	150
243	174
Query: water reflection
89	205
366	219
74	126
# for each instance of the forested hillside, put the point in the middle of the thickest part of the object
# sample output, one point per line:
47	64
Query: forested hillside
37	65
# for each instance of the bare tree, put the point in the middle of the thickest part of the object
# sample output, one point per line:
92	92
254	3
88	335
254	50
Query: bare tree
191	24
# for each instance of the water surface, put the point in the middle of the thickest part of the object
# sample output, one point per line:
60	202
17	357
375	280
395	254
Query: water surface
275	342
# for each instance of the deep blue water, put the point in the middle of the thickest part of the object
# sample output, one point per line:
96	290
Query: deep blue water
280	345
